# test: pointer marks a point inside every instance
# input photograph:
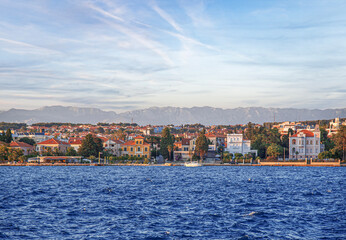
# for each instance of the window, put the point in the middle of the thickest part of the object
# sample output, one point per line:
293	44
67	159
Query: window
294	142
138	149
316	142
125	149
146	149
131	149
145	156
139	155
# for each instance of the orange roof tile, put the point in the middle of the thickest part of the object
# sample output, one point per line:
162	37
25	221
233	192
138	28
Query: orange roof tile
306	132
52	141
20	144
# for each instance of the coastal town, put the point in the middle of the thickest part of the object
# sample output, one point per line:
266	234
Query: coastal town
128	143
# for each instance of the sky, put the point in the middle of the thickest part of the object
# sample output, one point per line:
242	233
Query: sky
123	55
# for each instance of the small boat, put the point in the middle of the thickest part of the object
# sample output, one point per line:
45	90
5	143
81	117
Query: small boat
192	164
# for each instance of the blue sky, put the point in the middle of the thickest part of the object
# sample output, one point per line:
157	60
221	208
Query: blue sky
123	55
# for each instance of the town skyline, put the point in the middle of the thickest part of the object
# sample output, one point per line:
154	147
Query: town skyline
126	55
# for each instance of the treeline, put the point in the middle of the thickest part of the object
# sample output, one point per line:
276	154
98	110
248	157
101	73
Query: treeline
51	124
15	126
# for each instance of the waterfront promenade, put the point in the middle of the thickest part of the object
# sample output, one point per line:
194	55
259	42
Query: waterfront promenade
180	164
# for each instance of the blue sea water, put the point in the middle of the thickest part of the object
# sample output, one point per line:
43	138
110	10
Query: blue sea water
172	203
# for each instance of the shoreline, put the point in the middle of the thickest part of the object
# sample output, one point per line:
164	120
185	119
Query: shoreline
267	164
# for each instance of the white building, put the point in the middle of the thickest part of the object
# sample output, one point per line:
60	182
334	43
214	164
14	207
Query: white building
305	144
237	144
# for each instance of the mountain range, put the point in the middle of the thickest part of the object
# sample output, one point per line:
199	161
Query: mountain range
168	115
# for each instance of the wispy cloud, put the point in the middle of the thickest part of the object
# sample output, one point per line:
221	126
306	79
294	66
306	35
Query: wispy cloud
168	18
23	48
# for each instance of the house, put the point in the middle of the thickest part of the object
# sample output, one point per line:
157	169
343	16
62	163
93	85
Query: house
75	143
136	147
183	150
112	146
305	144
216	140
334	126
26	148
52	144
237	144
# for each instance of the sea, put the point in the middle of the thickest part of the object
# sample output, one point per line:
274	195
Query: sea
157	202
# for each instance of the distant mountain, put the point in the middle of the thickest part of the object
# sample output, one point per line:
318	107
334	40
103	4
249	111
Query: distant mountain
169	115
57	114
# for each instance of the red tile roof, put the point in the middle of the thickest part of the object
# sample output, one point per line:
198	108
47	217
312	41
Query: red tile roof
139	137
20	144
306	132
75	142
129	143
52	141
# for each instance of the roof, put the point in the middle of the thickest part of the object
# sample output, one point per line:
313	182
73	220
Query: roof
306	132
185	141
130	143
20	144
103	139
139	137
3	143
75	141
52	141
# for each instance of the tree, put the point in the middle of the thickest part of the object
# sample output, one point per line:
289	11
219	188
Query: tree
14	154
340	141
201	144
27	140
71	152
91	146
8	136
274	150
166	140
328	143
3	153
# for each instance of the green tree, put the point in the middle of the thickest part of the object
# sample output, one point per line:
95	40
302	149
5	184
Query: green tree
274	150
3	153
71	152
27	140
340	142
91	146
328	143
201	144
14	154
166	140
8	136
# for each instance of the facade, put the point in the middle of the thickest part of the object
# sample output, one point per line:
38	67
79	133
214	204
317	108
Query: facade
183	150
113	146
215	141
53	144
305	144
136	147
26	148
237	144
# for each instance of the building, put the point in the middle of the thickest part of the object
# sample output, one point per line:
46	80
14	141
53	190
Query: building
334	126
183	150
112	146
26	148
75	143
305	144
237	144
53	144
136	147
